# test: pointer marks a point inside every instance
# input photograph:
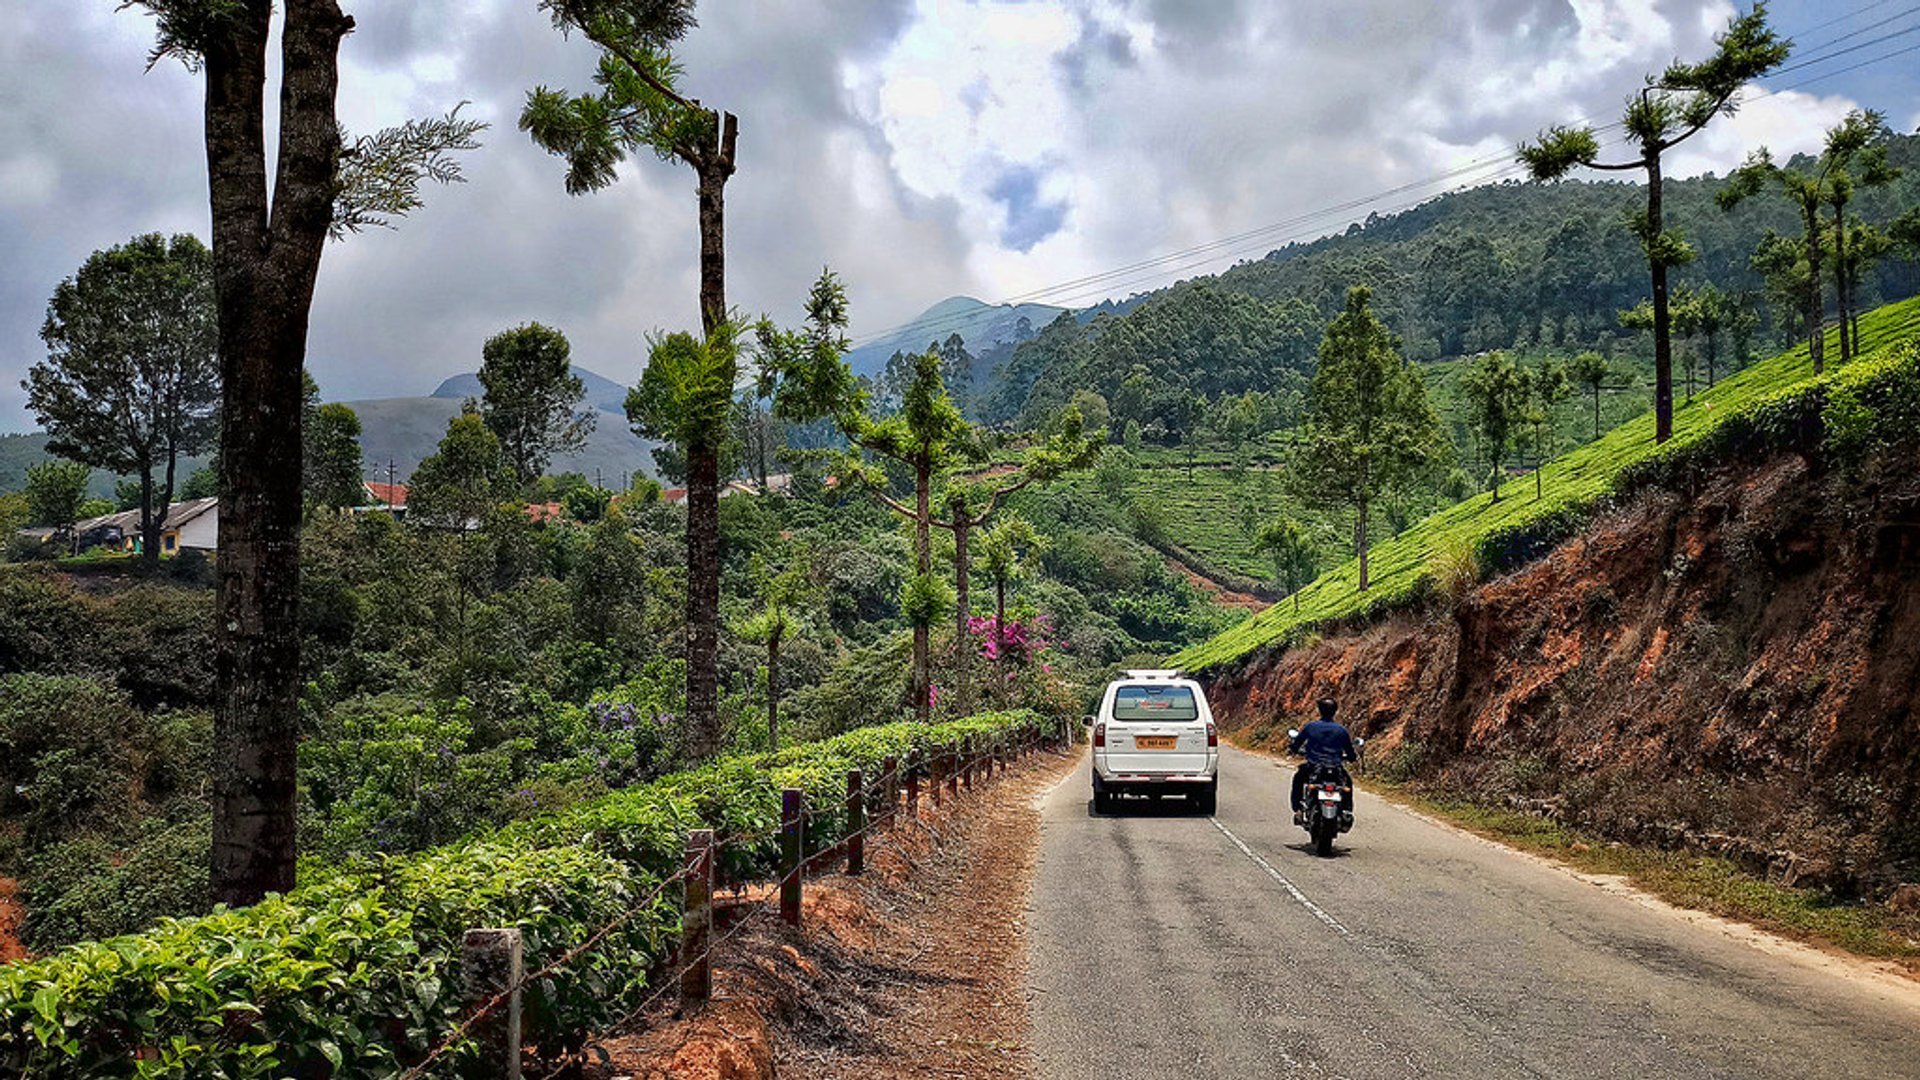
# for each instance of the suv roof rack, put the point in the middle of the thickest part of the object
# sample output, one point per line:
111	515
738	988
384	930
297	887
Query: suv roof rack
1153	673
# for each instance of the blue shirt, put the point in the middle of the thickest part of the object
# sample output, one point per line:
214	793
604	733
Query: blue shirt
1326	743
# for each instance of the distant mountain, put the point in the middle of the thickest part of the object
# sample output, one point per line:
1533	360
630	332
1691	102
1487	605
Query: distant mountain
980	325
405	430
602	393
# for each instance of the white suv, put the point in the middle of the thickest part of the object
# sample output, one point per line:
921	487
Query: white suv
1154	736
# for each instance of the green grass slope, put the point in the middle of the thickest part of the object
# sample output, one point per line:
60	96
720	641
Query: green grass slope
1574	484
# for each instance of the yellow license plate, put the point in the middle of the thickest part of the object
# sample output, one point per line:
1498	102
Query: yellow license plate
1155	742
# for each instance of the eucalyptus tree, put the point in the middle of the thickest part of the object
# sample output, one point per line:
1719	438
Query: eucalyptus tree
1857	146
1668	111
1542	388
531	398
132	376
268	236
638	109
56	490
1370	427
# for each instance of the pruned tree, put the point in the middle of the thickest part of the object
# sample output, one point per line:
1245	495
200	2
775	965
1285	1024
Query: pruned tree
1591	371
1296	558
132	376
638	109
1667	112
684	397
1370	427
968	502
531	398
1005	551
1494	393
782	602
921	437
268	236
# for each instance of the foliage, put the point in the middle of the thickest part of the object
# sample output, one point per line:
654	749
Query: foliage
1371	428
355	971
132	375
1773	403
1295	555
531	398
56	491
330	457
1495	394
459	482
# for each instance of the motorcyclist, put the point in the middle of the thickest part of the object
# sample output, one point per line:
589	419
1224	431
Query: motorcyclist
1328	746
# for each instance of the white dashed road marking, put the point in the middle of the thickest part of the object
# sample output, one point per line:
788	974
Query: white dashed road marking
1318	912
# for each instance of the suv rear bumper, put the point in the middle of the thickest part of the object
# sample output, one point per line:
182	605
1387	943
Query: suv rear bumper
1149	783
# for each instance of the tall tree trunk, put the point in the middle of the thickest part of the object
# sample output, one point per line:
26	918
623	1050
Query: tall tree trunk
1662	318
167	487
1596	410
265	263
1816	301
149	522
1360	541
1841	295
962	656
923	565
713	166
1713	355
773	691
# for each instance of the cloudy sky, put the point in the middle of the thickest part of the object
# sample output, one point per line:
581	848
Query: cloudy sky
922	148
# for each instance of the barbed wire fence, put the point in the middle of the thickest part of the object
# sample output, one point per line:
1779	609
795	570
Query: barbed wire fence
875	809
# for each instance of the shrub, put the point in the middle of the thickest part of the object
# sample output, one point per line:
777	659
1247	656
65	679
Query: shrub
352	973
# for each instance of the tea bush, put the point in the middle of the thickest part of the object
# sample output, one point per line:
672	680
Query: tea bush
352	974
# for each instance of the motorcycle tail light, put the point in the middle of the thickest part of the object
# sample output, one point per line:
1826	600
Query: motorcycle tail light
1099	734
1213	736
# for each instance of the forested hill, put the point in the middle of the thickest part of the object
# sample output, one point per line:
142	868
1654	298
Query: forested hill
1499	266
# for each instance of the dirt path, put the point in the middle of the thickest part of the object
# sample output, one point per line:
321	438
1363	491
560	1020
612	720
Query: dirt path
1221	594
916	969
11	915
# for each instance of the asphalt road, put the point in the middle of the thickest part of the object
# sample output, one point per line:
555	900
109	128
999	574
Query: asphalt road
1166	944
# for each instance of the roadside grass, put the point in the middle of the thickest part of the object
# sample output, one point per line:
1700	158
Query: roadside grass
1573	486
1701	882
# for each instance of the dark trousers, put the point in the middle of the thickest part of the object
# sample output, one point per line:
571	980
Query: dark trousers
1307	774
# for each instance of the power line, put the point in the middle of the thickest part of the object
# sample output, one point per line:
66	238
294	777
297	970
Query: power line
1111	281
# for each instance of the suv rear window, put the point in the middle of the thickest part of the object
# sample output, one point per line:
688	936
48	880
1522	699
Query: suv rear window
1155	703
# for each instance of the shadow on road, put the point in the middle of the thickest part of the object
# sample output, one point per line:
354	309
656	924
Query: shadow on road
1140	806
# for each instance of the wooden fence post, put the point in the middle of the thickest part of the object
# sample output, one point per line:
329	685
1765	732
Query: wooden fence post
792	835
955	762
969	762
696	976
856	823
890	785
491	964
936	774
913	787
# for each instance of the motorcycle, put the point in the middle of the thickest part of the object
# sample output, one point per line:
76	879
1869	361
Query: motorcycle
1328	791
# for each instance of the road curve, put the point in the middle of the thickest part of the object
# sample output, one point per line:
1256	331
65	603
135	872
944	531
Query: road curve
1166	944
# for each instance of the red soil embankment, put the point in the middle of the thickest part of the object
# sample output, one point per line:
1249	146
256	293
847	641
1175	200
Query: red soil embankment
1732	670
10	915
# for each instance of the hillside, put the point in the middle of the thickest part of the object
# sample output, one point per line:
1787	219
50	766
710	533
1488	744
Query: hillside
1573	486
1509	265
1727	668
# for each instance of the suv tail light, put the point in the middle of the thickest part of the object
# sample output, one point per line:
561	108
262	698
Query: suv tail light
1099	734
1213	735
